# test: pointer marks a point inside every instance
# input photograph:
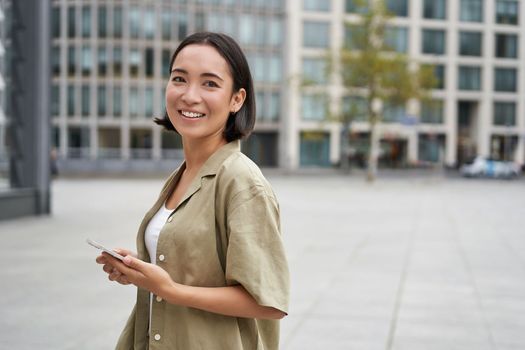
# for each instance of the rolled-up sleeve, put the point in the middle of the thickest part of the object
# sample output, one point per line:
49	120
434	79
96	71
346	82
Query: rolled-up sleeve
255	254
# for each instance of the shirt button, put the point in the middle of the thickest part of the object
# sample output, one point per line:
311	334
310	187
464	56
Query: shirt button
170	218
161	257
159	299
157	336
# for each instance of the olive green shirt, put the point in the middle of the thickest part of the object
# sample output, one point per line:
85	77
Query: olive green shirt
224	232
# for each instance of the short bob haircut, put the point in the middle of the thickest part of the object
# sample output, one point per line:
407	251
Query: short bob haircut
240	124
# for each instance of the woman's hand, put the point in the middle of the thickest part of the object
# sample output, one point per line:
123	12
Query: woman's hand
142	274
109	268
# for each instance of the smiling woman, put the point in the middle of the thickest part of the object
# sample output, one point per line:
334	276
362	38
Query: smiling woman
210	266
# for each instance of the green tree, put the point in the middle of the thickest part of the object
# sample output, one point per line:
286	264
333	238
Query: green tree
370	67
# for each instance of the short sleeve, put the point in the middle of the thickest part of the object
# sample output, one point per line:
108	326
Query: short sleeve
255	255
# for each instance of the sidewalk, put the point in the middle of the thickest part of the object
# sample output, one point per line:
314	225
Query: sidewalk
422	263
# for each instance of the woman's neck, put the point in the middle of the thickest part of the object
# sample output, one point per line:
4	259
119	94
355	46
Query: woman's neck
196	152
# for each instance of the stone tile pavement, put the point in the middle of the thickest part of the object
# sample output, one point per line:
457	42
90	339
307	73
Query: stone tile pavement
406	263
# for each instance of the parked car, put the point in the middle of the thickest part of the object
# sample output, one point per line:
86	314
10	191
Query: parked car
483	167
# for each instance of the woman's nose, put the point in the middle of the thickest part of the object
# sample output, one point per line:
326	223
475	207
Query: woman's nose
191	95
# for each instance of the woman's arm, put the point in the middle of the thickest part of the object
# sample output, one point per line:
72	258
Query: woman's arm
231	301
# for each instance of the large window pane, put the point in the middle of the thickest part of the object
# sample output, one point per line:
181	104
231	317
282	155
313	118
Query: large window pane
71	22
316	34
117	22
166	57
102	22
85	100
275	35
507	11
134	62
86	21
274	108
275	73
313	107
505	79
471	11
148	21
355	108
117	61
439	73
71	60
314	149
134	22
435	9
433	41
55	22
469	78
55	60
71	100
167	21
353	6
316	5
470	43
182	25
314	70
505	113
102	61
101	101
506	46
398	7
247	30
396	38
432	112
87	60
55	100
148	102
148	53
117	101
133	102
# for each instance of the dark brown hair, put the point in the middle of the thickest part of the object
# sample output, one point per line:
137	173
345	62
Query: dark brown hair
240	124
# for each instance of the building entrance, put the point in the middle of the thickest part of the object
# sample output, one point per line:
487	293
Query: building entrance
467	131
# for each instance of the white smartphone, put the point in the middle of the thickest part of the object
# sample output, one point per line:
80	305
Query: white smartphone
101	247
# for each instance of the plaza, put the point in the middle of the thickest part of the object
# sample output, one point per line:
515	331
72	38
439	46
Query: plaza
408	262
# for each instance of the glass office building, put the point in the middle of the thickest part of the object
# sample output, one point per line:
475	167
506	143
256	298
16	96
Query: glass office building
109	69
477	108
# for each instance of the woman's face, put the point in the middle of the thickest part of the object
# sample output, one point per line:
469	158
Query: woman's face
199	94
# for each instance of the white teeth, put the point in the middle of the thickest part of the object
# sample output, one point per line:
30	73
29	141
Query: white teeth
192	114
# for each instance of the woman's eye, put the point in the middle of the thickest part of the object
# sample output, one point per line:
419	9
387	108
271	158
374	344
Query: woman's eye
210	83
177	79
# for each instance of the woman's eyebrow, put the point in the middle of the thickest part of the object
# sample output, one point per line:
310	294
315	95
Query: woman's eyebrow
207	74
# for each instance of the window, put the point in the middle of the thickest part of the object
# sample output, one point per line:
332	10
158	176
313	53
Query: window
260	31
117	101
396	38
167	19
87	60
55	100
355	38
133	102
148	102
259	102
214	23
316	5
316	34
247	32
275	67
314	70
393	113
274	107
470	43
505	79
101	101
102	22
313	107
86	21
275	32
398	7
55	60
182	25
504	113
353	6
148	21
432	112
117	61
439	73
149	62
102	61
166	57
134	62
506	12
55	22
355	108
85	100
314	149
433	41
71	22
117	22
71	100
469	78
471	11
435	9
134	22
506	46
229	24
199	23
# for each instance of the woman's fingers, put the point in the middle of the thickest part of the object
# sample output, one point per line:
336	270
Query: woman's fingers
101	259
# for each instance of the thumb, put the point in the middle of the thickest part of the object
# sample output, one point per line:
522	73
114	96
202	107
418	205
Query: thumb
133	262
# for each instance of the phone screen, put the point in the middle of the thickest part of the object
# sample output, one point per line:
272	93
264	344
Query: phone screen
101	247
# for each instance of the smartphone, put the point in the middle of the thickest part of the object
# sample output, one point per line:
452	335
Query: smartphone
104	249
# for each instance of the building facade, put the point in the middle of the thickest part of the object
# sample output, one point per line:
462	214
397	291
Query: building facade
478	107
110	66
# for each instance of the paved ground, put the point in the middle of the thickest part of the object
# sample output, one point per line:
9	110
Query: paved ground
406	263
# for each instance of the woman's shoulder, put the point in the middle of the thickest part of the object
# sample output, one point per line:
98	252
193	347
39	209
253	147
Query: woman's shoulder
238	173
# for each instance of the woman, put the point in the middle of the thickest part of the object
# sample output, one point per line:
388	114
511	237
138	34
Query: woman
210	266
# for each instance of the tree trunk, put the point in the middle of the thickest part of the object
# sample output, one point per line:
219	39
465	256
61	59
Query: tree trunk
373	153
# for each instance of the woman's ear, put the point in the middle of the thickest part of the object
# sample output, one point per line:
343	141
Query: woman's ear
237	100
